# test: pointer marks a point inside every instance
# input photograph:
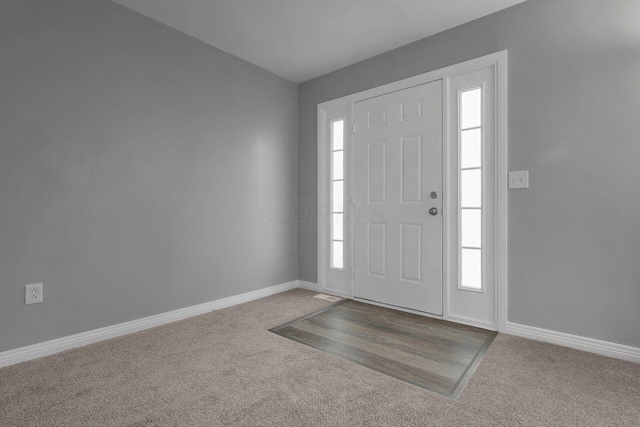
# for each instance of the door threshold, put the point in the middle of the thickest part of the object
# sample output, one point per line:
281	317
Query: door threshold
399	308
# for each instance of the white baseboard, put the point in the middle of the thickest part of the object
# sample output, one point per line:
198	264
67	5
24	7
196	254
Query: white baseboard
46	348
618	351
308	285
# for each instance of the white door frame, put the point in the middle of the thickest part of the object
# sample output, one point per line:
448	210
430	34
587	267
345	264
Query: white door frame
497	60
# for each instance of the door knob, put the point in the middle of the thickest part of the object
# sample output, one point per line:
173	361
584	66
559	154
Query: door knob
433	211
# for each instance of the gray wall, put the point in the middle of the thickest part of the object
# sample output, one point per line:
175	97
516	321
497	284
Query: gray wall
134	163
574	122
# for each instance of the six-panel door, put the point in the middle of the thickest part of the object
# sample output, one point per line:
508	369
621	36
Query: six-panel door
397	167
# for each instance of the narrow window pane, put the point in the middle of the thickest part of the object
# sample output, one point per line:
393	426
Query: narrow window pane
337	134
338	165
471	188
471	269
336	255
471	227
471	108
337	202
337	233
338	198
471	148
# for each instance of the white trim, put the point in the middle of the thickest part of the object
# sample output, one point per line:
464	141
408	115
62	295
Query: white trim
420	79
499	59
310	286
47	348
502	192
322	198
604	348
447	222
352	193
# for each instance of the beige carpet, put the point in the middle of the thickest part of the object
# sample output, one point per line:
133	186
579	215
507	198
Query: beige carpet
226	368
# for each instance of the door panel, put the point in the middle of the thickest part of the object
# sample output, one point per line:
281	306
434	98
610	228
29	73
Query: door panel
397	165
411	169
411	252
377	171
376	249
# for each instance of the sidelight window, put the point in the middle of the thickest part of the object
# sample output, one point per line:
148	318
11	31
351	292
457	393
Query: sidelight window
470	188
337	193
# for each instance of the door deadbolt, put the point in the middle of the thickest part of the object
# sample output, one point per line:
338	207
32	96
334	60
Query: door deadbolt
434	194
433	211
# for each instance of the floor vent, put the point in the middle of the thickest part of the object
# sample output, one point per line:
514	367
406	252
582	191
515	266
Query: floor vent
328	297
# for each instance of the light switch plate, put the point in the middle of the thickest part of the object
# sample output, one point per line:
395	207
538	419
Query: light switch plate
518	179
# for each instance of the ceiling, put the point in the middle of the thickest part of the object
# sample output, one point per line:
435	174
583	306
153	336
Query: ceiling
303	39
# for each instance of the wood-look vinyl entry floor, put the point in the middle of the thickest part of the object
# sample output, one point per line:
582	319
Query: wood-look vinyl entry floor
433	354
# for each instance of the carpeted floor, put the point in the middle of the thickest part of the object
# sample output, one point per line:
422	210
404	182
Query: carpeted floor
226	368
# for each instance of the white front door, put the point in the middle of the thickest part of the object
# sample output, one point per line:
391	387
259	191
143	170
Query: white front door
398	198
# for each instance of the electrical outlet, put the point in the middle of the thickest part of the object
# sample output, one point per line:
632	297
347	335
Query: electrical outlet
33	293
518	179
